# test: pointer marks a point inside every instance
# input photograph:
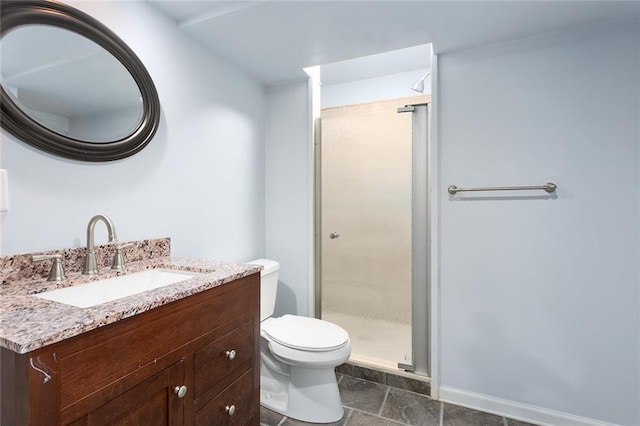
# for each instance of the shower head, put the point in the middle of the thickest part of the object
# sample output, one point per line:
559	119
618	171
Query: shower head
419	86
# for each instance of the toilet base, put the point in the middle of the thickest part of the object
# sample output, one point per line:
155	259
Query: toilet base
310	394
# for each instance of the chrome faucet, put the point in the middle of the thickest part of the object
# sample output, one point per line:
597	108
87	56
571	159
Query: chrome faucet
90	266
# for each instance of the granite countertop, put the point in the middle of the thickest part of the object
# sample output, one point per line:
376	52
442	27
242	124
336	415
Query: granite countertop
28	322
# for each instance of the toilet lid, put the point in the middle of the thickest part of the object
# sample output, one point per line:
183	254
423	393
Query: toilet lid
309	334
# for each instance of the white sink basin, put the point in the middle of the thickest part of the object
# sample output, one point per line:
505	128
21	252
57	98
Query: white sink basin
97	292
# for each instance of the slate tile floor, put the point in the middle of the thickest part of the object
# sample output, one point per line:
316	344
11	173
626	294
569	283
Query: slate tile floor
368	403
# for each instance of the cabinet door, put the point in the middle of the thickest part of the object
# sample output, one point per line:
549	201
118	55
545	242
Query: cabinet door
152	402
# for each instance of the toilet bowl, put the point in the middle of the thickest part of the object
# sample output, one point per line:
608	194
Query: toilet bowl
298	356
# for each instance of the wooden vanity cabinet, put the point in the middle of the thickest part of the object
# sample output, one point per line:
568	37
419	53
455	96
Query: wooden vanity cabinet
132	372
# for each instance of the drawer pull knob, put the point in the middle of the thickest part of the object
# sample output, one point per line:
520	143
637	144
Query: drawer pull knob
230	354
181	391
230	409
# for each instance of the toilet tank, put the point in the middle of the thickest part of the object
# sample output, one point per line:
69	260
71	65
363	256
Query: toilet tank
268	286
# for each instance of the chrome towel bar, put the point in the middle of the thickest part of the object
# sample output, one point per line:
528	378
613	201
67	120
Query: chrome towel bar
549	187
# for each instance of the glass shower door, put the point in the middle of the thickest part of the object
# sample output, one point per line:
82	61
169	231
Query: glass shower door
366	228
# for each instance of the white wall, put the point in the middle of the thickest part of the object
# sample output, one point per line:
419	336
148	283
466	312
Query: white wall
373	89
200	181
540	295
287	190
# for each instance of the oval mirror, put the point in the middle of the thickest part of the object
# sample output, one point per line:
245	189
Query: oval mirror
70	86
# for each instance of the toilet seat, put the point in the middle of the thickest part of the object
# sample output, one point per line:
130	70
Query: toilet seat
304	333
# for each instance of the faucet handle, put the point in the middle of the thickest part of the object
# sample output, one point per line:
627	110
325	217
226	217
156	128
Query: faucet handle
118	258
57	271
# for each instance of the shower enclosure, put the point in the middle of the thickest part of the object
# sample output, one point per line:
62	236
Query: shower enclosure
371	230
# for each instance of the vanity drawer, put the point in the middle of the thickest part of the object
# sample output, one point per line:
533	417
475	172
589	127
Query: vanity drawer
237	399
217	366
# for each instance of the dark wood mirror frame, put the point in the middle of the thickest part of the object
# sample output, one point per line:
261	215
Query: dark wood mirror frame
15	13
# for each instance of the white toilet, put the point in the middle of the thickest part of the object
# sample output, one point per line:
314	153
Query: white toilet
298	357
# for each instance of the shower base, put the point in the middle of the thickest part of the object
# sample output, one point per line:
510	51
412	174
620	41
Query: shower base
374	343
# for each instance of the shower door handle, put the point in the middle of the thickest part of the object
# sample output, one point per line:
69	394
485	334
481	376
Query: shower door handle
334	235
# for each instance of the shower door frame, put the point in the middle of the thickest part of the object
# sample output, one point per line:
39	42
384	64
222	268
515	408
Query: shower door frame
420	241
420	300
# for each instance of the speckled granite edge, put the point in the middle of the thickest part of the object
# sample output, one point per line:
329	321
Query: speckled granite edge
28	323
17	268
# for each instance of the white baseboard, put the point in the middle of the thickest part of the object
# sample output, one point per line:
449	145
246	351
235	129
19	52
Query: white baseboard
514	410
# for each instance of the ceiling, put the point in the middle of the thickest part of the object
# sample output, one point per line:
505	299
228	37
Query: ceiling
378	65
273	40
